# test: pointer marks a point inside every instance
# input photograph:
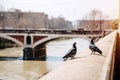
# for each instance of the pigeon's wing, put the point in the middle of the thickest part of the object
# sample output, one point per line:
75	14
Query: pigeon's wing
92	46
95	48
68	53
98	50
73	52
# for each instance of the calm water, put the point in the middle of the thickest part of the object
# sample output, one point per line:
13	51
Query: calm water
57	49
12	68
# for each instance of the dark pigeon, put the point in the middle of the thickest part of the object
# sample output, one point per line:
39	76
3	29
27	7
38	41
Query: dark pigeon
94	48
71	53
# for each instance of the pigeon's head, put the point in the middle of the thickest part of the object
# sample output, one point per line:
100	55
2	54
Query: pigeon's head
92	41
74	43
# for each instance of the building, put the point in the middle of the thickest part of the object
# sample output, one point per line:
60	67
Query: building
23	20
95	24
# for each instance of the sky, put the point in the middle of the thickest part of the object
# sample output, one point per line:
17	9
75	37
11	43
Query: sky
69	9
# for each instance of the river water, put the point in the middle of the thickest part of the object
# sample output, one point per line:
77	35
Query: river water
12	67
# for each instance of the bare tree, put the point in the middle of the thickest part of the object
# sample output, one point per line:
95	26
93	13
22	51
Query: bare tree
13	15
95	19
2	16
59	23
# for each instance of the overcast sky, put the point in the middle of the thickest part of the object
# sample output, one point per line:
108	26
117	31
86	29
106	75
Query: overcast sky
69	9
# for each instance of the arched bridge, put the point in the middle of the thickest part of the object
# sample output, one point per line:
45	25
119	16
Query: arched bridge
20	36
37	39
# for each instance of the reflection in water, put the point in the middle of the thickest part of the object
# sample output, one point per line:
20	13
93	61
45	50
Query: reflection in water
12	67
5	58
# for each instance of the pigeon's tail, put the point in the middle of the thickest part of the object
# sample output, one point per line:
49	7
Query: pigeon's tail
65	56
99	51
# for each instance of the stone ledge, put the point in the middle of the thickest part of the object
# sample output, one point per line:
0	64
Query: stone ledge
87	66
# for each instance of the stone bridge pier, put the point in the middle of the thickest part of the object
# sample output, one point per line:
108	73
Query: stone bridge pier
30	51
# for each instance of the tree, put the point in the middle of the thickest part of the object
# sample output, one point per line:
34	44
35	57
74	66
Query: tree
95	19
13	15
2	16
115	24
59	23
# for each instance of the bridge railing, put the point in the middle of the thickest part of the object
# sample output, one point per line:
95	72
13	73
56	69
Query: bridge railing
51	31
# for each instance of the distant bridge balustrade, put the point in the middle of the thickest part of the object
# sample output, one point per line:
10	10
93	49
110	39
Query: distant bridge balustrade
55	31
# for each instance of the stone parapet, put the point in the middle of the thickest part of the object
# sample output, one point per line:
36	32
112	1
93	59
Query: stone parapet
87	66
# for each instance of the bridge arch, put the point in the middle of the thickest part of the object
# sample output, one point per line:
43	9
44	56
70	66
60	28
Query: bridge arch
40	46
12	39
47	39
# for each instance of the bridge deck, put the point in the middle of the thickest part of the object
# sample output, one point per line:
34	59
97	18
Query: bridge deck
55	35
85	66
52	31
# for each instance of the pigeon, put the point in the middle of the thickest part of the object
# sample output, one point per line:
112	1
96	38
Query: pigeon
94	48
71	53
